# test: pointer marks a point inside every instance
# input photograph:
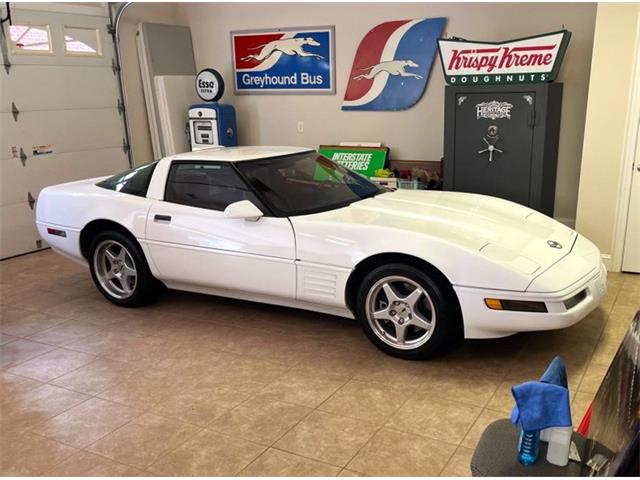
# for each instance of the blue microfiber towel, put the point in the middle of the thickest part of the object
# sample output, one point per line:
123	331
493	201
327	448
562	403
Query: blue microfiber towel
544	403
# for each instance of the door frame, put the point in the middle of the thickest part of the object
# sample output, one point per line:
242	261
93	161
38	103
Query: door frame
632	130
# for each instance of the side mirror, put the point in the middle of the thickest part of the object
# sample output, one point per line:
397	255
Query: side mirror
243	209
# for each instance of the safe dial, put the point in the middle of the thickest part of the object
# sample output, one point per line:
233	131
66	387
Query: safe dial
490	148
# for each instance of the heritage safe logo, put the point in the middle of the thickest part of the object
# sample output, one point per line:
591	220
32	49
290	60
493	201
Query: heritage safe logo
283	61
526	60
493	110
392	65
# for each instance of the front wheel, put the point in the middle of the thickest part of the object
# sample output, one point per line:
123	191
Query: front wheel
120	271
407	313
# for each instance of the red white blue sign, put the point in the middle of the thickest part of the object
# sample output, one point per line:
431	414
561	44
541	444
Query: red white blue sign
392	65
296	60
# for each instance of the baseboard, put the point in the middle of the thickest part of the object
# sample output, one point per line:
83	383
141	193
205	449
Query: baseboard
607	260
569	222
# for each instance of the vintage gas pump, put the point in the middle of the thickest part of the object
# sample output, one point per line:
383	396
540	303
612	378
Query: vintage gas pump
211	123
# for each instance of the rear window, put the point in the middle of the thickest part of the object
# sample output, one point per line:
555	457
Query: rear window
134	182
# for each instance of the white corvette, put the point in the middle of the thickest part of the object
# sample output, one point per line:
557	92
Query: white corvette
417	269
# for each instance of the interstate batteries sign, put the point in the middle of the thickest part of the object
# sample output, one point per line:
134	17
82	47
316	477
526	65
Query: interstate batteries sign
362	160
525	60
285	60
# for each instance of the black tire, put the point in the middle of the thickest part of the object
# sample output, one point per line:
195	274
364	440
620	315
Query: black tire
447	329
145	288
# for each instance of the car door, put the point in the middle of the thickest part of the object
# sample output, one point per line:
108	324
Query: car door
193	245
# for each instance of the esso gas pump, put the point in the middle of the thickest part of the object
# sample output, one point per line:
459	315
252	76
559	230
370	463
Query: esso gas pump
211	123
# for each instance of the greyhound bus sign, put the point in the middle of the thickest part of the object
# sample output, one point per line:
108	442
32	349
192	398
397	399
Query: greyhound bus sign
525	60
284	60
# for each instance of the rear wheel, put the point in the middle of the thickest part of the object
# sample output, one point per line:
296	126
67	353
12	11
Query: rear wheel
120	271
407	313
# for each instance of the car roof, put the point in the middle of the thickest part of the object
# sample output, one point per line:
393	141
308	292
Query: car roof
238	154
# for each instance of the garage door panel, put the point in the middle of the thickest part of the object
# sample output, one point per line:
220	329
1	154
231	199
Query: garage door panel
91	128
56	23
34	87
45	170
19	232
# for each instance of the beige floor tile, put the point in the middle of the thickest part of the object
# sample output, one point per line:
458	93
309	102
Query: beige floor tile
306	387
345	472
199	405
579	405
372	402
13	384
95	377
102	343
65	333
4	338
438	419
26	408
52	364
141	390
502	400
22	322
392	453
327	437
276	463
21	350
593	378
486	417
28	454
460	464
86	464
143	440
381	368
461	387
332	359
208	454
260	420
84	424
192	359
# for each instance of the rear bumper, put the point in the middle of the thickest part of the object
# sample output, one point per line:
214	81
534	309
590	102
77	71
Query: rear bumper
482	322
68	246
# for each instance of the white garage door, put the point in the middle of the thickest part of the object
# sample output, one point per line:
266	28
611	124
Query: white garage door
59	118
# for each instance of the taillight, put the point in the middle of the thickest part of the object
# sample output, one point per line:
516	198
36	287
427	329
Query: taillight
55	231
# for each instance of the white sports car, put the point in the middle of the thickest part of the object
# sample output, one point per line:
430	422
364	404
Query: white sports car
287	226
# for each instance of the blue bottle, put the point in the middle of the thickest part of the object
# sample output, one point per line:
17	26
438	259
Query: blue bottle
528	447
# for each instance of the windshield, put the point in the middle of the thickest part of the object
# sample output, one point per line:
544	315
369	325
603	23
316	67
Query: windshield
305	183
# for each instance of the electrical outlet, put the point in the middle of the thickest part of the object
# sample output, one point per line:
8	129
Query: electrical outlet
300	126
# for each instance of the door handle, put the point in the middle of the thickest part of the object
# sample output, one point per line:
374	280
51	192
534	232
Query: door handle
162	218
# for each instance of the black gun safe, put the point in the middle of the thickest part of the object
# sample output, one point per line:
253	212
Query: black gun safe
502	140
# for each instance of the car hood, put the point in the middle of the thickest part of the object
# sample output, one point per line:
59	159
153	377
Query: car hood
502	231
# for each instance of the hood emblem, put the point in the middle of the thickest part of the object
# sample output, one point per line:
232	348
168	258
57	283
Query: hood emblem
553	244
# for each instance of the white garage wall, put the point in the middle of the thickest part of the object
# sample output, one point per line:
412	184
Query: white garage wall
416	134
606	126
169	13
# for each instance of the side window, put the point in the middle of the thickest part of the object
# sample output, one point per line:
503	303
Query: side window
206	185
82	41
135	182
30	39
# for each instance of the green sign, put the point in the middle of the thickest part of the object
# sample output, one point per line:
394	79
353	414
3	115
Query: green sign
363	160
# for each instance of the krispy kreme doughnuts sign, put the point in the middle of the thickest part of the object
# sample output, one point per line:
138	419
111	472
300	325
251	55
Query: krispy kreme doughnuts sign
525	60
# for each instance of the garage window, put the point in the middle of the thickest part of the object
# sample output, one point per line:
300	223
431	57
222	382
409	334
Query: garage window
82	41
30	39
206	185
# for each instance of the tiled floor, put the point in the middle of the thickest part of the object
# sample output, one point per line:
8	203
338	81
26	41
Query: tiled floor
197	385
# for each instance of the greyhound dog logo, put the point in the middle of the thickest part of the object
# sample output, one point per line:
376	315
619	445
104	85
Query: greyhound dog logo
393	67
392	63
287	46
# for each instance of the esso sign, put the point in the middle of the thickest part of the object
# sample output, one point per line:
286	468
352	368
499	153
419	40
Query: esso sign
209	85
